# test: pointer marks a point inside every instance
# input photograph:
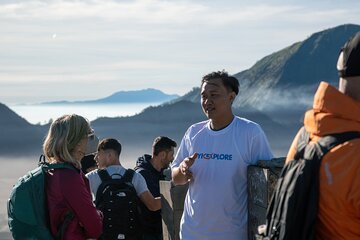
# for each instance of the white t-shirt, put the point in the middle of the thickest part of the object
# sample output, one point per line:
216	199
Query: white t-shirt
116	171
216	202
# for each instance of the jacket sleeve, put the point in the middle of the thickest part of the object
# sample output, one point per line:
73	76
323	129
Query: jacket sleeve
76	191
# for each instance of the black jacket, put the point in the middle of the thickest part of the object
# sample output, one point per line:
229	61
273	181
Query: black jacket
151	220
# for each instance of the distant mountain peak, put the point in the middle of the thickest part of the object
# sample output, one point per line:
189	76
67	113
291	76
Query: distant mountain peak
146	90
150	95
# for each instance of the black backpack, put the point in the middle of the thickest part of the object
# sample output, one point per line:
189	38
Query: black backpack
117	199
292	212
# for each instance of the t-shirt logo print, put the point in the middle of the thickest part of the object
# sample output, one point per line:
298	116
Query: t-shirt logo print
215	156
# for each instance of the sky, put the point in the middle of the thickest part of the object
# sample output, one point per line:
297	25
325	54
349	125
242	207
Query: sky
77	50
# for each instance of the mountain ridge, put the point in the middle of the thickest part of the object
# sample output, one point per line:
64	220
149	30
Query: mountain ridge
18	136
133	96
291	75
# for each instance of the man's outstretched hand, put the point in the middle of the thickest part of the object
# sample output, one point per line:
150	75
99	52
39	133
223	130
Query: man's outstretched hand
185	166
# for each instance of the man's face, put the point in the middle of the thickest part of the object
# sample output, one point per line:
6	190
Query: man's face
169	157
102	158
216	100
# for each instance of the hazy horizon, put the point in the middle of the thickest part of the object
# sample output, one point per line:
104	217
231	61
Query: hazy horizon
42	113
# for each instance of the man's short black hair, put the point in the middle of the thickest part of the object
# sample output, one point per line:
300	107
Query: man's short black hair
110	143
162	143
229	82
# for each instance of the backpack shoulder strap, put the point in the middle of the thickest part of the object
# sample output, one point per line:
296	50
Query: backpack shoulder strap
104	175
47	166
62	165
128	176
332	140
326	143
105	179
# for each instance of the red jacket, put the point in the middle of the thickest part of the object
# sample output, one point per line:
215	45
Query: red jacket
69	190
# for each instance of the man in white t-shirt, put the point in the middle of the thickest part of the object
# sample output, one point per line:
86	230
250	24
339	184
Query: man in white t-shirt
213	157
108	157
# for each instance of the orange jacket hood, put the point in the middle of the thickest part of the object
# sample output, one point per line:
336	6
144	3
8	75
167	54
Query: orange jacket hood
333	112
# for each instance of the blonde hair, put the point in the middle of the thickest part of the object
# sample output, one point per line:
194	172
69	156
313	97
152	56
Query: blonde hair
63	136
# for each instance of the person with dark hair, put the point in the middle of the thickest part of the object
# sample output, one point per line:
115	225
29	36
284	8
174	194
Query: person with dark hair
88	163
69	139
151	168
213	157
337	111
108	158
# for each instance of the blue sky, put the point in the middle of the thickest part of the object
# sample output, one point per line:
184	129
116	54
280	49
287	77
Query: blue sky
71	50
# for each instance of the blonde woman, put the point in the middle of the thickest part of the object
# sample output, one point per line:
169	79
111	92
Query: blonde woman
69	139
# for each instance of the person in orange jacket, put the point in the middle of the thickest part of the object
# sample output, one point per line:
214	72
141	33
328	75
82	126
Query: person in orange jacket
337	111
